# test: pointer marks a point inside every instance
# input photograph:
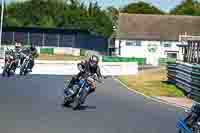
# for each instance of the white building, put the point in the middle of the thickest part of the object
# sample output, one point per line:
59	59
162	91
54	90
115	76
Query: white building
152	36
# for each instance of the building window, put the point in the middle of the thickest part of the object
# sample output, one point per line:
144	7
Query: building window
138	43
133	43
129	43
167	45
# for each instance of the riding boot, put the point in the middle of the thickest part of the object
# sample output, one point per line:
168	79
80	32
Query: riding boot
21	61
91	91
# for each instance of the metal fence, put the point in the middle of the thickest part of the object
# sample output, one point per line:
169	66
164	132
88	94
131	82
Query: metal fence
187	77
39	39
54	38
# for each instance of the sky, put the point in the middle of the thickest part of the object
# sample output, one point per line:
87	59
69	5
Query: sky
165	5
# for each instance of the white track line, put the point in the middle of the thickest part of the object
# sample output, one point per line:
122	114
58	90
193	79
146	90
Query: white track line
149	97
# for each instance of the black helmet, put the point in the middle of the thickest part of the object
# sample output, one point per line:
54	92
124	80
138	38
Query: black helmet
32	47
18	46
93	61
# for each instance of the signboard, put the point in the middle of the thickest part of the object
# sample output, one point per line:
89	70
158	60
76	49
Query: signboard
1	52
152	48
185	38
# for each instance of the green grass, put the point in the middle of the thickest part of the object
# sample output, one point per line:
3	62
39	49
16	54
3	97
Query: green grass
150	82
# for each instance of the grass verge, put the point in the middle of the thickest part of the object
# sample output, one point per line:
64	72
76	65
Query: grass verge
60	57
152	83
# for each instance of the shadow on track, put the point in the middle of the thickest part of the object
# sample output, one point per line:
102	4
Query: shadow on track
82	107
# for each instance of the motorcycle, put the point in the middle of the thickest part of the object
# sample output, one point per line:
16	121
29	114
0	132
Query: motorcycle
9	63
77	95
25	67
190	124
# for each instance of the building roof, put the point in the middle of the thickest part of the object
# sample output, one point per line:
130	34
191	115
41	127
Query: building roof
156	27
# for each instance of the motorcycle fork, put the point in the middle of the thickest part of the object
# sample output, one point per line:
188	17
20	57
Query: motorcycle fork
80	90
27	64
10	65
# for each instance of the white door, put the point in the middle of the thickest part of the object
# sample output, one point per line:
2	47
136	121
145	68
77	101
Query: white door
153	56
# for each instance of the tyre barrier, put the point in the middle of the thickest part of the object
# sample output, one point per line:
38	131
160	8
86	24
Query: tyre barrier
185	76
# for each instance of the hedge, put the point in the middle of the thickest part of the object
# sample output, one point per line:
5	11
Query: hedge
123	59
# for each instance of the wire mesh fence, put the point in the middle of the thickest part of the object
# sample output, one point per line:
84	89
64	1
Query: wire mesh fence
54	38
38	39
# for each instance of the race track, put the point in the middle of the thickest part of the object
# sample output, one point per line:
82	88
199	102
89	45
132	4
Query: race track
33	104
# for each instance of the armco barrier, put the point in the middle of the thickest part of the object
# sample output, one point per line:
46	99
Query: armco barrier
140	61
185	76
119	68
70	68
2	52
164	61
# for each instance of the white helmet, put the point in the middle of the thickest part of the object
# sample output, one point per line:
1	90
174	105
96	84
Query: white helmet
18	45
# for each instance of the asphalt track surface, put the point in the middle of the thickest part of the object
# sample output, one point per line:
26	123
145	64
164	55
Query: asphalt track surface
33	104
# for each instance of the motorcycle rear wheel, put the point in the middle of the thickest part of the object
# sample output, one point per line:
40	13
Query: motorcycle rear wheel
25	72
4	71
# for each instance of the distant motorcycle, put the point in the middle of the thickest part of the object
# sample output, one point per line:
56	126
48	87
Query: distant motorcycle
10	63
191	123
77	95
25	67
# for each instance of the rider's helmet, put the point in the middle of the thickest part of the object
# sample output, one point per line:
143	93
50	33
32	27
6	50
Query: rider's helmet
18	46
93	61
32	48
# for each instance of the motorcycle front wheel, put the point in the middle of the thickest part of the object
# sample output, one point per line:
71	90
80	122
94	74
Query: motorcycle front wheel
83	96
21	70
180	131
196	128
9	69
76	104
66	102
5	70
4	73
8	73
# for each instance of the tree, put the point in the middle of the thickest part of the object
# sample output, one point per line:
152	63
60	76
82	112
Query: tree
187	7
59	13
141	8
113	13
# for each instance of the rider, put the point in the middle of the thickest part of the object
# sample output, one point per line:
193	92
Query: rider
16	55
87	66
34	54
31	51
18	49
